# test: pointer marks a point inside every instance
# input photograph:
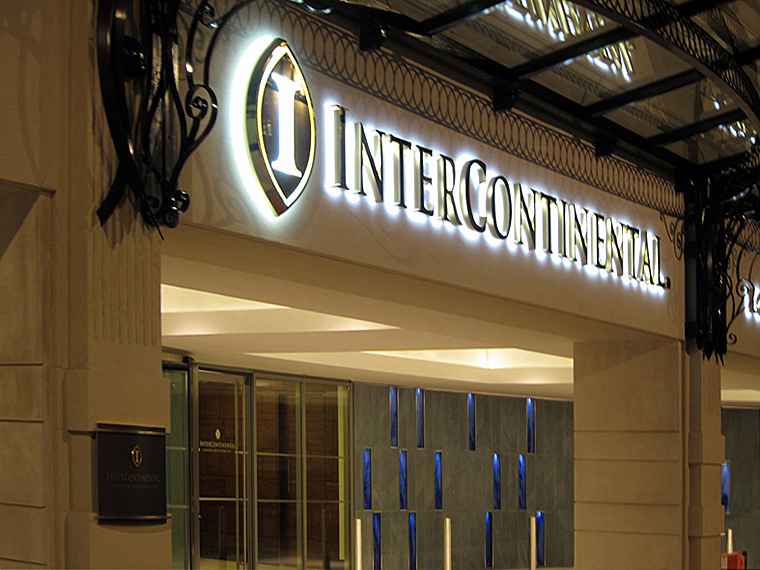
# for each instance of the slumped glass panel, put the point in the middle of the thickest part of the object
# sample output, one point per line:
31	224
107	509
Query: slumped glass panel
725	486
540	540
496	481
471	420
322	478
531	425
277	478
278	525
438	480
394	415
220	530
276	416
412	541
367	479
402	479
176	467
377	558
323	412
489	541
521	482
323	531
420	418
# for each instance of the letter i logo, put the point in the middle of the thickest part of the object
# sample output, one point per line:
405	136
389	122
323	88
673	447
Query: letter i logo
280	130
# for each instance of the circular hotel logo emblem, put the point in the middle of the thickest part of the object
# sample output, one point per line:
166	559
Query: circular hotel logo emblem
280	129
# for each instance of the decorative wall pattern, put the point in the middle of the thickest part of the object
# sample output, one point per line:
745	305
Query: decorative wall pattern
479	490
321	45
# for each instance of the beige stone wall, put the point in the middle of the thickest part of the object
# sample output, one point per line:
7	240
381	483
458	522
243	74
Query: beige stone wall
629	464
80	307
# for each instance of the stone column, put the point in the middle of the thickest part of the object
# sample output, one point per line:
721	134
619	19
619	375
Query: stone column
629	459
108	337
80	339
706	452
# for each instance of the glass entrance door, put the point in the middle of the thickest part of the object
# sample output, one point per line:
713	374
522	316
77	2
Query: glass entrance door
223	470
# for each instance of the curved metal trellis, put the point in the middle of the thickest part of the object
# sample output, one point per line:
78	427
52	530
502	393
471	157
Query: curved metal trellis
661	22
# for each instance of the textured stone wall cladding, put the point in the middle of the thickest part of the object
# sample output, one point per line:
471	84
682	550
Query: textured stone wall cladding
742	431
467	478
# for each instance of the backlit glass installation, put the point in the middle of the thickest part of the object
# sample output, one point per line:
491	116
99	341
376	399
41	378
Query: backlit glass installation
367	479
540	540
531	426
420	418
394	415
438	480
402	479
412	541
725	486
376	542
471	419
496	481
521	481
489	540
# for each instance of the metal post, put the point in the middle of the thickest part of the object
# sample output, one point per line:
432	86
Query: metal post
533	547
358	544
447	544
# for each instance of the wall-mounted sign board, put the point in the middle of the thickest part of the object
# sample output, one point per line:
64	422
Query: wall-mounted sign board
131	464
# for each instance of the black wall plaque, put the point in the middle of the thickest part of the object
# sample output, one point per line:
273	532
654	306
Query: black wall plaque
131	474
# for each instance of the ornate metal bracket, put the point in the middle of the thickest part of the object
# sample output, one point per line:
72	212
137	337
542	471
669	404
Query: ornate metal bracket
153	127
721	227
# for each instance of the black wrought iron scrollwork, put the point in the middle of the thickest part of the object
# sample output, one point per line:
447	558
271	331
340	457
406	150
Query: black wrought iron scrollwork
154	127
674	230
722	217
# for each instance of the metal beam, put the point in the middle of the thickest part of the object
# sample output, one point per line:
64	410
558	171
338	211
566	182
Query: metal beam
748	56
621	34
696	128
455	16
571	52
663	86
644	92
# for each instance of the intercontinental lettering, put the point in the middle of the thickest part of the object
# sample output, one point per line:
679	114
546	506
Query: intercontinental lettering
133	478
222	446
385	167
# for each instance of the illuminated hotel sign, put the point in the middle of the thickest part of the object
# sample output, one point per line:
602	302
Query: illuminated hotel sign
369	163
385	168
280	131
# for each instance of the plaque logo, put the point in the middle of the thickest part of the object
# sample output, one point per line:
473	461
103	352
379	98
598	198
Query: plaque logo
280	131
137	456
218	434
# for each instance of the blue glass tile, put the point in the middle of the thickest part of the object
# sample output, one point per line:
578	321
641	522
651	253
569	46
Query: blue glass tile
420	418
412	541
438	480
402	479
376	545
367	479
496	481
531	426
540	540
521	481
394	416
471	418
489	541
725	486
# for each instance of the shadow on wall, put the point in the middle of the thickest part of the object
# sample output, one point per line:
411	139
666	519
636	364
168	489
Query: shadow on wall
468	458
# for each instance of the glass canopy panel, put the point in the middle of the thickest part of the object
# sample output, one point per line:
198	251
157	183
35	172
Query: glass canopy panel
736	25
591	78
